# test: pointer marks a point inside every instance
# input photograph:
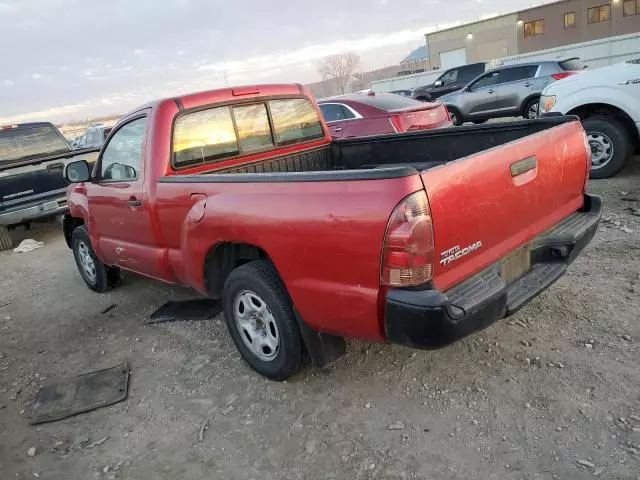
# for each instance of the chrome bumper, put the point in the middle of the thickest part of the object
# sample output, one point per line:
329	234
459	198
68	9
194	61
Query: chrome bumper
34	212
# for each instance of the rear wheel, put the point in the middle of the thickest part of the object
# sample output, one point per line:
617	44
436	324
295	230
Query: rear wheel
98	276
261	321
610	145
456	118
531	109
6	242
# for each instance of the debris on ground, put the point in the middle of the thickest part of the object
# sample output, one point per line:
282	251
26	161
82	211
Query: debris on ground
32	452
203	427
585	463
109	308
28	245
634	211
396	426
97	443
186	310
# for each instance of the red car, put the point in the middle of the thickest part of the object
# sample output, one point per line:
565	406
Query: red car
415	238
361	114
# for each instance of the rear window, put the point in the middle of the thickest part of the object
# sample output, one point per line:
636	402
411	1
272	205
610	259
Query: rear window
27	142
571	65
224	132
389	102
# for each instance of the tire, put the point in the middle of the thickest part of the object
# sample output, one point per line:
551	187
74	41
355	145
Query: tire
531	109
6	242
103	276
258	311
456	118
610	145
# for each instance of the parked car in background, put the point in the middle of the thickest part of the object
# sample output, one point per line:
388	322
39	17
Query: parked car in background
359	115
94	137
450	81
607	100
32	187
417	238
508	91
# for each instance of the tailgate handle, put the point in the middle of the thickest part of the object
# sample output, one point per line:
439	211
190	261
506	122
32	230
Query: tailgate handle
523	166
55	167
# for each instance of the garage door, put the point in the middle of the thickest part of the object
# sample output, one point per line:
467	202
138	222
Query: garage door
453	58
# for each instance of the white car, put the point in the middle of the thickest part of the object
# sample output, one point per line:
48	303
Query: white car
607	100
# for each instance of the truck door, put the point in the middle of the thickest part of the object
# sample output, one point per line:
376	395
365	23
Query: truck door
120	226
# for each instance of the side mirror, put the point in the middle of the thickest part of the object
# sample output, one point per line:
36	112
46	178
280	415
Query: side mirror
77	172
438	83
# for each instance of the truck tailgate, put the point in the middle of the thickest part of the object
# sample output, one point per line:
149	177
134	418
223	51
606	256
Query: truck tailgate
488	205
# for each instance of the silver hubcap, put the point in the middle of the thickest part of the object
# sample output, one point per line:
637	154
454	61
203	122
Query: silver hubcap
86	261
601	149
533	111
256	325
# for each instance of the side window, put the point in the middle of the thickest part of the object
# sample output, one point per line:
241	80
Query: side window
450	77
254	131
469	73
122	157
486	80
332	112
518	73
295	120
204	136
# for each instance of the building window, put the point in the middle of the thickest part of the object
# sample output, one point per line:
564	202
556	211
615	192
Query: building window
569	19
631	8
599	14
534	28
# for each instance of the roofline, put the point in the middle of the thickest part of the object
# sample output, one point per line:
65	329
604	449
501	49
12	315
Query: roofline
508	14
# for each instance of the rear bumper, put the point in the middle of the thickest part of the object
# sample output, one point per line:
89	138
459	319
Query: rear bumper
30	213
432	319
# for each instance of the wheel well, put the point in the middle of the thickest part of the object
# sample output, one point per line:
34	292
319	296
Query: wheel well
222	259
69	224
606	110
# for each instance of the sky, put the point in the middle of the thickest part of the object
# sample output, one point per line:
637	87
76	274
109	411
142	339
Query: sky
77	59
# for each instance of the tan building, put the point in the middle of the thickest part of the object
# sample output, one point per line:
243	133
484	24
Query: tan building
574	21
492	38
557	24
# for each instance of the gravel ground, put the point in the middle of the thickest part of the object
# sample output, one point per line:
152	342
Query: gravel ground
553	392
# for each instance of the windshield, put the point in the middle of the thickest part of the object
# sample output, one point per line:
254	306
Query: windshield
30	141
389	102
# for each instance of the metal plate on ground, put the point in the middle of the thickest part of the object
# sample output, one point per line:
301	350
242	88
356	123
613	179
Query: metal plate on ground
197	309
516	264
65	398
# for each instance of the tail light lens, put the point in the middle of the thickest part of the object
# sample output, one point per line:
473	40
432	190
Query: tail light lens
560	76
396	123
408	251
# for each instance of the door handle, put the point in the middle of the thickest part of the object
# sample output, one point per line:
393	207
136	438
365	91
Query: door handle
134	202
338	129
528	84
491	91
524	166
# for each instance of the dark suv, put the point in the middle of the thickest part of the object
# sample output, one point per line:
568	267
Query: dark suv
450	81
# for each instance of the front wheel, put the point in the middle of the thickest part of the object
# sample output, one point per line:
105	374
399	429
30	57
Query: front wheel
261	321
98	276
610	145
6	242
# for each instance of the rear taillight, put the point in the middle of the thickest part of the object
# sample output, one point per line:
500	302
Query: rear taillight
396	123
560	76
407	255
589	159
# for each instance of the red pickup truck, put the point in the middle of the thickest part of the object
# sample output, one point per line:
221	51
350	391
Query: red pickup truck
416	238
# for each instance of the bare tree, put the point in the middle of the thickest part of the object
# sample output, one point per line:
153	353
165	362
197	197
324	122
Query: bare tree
340	68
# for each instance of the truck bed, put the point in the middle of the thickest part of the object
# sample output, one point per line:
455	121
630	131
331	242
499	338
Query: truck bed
380	156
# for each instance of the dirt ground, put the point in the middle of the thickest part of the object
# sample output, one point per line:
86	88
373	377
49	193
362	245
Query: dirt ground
553	392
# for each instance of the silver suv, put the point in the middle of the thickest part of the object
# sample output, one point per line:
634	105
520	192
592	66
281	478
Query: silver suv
507	91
